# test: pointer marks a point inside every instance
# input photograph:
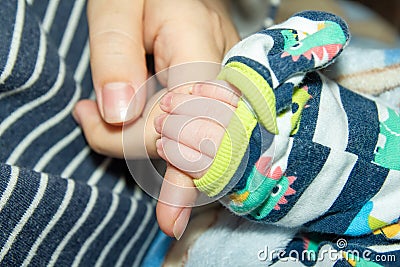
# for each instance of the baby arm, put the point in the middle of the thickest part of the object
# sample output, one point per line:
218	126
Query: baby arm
305	146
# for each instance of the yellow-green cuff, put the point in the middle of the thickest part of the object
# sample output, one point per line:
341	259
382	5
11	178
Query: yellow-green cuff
230	153
256	90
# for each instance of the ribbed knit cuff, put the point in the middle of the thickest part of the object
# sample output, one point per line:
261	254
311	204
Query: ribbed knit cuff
256	90
230	153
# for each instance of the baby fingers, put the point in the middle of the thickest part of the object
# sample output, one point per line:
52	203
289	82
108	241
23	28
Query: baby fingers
218	90
197	106
184	158
201	134
189	144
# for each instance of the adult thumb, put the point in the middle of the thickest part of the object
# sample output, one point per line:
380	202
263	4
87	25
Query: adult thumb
177	197
117	58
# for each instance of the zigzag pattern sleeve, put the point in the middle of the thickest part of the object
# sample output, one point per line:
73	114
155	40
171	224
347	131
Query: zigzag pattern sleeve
323	157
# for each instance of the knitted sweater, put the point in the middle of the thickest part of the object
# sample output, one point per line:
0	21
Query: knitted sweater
61	203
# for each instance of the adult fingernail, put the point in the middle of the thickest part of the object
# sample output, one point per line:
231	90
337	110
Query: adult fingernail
158	122
166	101
181	223
116	99
76	117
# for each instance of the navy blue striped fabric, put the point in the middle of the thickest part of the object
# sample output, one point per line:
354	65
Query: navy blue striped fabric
305	162
310	115
61	203
333	149
363	130
360	187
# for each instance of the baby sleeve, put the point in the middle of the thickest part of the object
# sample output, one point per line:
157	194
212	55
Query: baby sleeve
266	67
301	149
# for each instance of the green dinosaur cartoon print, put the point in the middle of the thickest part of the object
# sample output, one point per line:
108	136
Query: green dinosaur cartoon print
388	155
276	198
311	248
259	184
323	44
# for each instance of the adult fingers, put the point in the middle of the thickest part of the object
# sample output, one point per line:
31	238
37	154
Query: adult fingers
177	197
117	57
96	130
107	139
187	31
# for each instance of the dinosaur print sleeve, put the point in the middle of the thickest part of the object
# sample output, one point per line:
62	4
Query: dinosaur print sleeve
302	150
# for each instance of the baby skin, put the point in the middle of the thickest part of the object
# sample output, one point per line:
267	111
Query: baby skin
277	137
194	124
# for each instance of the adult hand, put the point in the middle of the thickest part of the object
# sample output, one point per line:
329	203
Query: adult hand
174	31
121	33
117	56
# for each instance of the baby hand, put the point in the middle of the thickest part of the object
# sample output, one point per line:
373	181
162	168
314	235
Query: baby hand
193	125
191	130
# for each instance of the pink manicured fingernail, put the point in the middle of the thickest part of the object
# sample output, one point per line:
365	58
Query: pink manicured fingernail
166	101
158	122
181	223
116	98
